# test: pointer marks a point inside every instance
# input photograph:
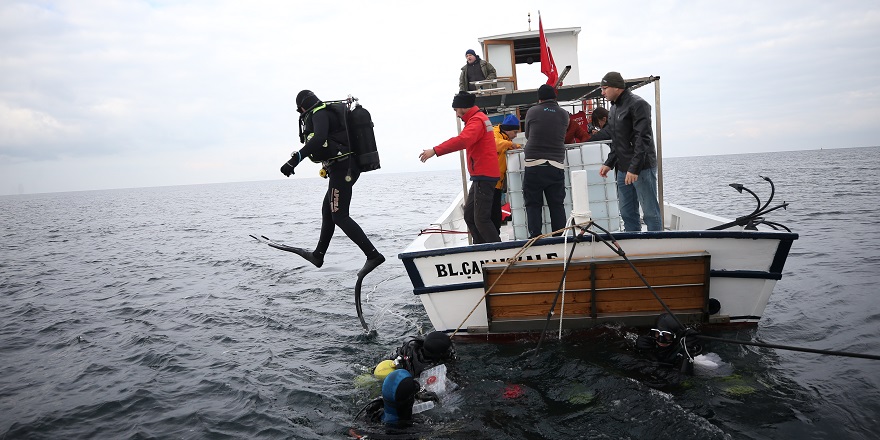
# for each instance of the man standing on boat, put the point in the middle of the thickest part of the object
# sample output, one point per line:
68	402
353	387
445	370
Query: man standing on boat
504	134
325	139
475	69
633	155
478	140
544	176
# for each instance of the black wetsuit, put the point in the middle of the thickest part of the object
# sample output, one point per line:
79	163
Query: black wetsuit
328	140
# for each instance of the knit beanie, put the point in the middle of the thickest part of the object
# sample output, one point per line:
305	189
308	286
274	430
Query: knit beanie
470	52
510	122
463	100
613	79
546	92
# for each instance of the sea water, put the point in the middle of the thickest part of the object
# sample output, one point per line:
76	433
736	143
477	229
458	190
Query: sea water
150	313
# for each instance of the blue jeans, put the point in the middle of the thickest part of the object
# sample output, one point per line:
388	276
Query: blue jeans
643	192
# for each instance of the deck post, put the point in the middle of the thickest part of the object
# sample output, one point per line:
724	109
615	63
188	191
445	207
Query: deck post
659	151
464	188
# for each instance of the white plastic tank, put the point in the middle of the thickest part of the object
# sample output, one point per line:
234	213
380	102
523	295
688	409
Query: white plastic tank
602	191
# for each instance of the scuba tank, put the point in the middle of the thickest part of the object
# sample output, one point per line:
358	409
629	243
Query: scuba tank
362	138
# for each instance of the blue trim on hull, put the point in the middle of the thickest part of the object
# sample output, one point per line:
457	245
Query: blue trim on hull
752	274
755	274
783	237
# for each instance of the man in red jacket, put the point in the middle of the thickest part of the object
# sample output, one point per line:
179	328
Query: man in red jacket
478	139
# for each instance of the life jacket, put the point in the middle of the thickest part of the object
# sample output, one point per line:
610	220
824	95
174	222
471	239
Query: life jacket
337	145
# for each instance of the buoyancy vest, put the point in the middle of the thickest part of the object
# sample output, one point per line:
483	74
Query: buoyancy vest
337	145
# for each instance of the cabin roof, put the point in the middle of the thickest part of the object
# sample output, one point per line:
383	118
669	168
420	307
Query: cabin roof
575	92
530	34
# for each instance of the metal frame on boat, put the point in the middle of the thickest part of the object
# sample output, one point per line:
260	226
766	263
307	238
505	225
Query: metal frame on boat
704	276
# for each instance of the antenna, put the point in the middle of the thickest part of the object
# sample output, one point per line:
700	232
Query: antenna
530	21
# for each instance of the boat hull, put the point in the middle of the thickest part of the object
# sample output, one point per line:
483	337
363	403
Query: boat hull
743	267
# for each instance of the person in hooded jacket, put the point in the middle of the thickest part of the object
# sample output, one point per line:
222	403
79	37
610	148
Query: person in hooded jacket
325	140
482	164
476	69
504	134
418	354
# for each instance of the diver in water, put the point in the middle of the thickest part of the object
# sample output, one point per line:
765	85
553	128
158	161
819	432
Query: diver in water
669	345
326	141
418	354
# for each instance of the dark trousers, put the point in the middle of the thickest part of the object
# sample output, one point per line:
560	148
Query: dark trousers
478	212
496	210
539	182
335	210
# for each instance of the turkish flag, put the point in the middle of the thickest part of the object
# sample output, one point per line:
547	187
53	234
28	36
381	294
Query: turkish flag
548	67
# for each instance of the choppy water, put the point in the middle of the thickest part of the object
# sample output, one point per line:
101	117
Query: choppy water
150	313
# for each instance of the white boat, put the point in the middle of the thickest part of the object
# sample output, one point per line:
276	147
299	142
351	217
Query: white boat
713	277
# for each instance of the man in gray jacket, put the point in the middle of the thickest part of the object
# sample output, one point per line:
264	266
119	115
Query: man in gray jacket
632	156
544	176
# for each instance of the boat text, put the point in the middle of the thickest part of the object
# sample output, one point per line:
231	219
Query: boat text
473	267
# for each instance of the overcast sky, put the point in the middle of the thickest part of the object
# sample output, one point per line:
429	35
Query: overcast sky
117	94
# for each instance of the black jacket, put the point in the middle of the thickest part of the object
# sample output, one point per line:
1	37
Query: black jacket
632	137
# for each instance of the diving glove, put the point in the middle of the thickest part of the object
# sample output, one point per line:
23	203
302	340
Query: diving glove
287	168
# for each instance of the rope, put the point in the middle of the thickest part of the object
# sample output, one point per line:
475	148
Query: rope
510	262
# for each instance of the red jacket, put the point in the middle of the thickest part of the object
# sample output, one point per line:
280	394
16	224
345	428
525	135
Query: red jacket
478	139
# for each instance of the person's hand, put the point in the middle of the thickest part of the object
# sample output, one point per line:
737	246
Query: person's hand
516	147
630	178
603	170
287	168
427	154
426	395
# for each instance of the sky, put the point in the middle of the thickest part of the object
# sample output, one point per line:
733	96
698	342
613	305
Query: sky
121	94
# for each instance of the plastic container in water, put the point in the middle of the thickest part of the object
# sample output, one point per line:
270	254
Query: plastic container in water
423	406
602	191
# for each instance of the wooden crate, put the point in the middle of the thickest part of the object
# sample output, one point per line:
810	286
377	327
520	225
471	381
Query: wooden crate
598	288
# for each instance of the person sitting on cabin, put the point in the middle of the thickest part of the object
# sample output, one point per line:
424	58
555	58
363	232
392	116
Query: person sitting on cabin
544	175
598	120
669	346
504	134
419	354
482	164
475	69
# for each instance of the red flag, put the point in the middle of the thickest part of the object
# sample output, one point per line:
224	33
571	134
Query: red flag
548	67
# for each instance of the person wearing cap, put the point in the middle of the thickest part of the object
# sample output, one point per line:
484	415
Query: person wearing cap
325	140
633	155
419	354
504	134
544	176
476	69
482	163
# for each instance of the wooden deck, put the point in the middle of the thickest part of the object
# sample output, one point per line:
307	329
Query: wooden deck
597	291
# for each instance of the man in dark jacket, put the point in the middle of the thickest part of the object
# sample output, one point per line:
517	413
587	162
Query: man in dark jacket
544	176
325	141
475	69
632	156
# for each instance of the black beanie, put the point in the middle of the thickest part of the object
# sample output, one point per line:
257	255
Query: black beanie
436	345
306	99
546	92
613	79
463	100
